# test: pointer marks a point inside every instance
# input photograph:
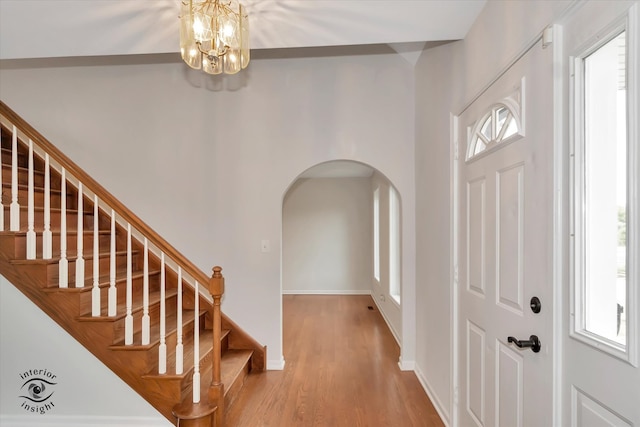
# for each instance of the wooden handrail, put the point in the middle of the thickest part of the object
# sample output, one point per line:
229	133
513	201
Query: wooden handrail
102	193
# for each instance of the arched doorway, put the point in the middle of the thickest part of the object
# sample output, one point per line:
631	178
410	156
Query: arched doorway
341	234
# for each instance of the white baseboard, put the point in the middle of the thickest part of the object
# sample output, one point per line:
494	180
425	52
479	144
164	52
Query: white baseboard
444	414
326	292
36	420
406	365
275	365
389	325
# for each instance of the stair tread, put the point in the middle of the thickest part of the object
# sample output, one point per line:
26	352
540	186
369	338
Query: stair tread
88	256
232	363
25	207
56	232
121	308
187	317
37	188
206	344
22	168
103	281
55	229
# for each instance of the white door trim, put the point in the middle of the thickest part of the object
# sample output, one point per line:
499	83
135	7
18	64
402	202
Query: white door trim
454	233
559	263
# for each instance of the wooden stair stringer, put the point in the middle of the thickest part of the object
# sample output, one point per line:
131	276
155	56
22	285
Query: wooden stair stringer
96	337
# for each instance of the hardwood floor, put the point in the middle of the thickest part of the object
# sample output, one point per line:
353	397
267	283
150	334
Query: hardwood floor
341	370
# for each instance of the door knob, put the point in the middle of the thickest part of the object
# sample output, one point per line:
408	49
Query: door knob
533	343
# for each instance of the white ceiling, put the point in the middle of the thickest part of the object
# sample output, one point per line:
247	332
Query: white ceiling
64	28
71	28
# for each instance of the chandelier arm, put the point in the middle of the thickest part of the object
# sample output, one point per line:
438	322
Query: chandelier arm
204	52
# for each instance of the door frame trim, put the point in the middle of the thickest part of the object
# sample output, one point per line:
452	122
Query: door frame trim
558	266
454	194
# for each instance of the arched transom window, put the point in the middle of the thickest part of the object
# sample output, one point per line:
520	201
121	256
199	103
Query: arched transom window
499	124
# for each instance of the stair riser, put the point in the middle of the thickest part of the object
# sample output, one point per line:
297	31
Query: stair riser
224	344
54	224
38	197
137	313
187	385
137	286
22	160
38	176
171	342
234	389
22	155
103	268
23	177
55	213
20	247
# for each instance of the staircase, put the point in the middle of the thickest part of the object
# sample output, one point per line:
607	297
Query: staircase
116	286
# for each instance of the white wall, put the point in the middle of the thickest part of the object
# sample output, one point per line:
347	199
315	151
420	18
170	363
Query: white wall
326	236
208	167
437	71
86	391
447	78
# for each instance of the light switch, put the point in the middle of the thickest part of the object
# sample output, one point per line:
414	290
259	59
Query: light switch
266	246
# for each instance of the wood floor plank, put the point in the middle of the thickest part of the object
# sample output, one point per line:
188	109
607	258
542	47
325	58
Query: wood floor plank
341	370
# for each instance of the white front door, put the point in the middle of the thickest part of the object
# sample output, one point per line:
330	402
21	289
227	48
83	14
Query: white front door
600	244
504	249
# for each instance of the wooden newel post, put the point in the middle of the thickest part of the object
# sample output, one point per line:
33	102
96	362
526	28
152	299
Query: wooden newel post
216	389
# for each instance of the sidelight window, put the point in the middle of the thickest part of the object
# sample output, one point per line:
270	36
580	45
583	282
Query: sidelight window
394	245
603	179
376	234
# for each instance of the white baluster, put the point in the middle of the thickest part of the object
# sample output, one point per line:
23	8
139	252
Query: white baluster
63	264
31	233
146	325
128	320
14	208
179	345
80	240
47	238
113	291
196	349
95	292
162	349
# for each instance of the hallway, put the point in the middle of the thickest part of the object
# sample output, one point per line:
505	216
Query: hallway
341	370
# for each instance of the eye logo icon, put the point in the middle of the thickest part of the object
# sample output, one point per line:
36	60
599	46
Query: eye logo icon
36	390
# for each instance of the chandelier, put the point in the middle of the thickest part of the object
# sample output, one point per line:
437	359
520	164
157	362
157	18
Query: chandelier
214	35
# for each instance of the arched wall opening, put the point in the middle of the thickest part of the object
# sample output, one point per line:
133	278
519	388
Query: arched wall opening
330	229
